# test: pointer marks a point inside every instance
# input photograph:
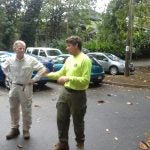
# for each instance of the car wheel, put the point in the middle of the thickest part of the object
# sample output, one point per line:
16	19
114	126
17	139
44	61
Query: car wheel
96	83
41	83
113	70
7	84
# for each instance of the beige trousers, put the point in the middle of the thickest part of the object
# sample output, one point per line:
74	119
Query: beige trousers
21	96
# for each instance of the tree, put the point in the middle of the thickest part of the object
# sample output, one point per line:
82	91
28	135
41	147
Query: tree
30	21
112	29
9	11
64	18
142	28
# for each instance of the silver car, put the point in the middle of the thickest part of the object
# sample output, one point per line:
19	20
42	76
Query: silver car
111	63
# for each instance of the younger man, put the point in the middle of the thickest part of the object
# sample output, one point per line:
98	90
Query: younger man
75	76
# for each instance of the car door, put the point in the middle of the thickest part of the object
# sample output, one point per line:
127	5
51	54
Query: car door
104	61
35	52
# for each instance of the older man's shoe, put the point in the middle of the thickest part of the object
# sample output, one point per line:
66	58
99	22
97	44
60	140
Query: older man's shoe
26	134
80	146
13	133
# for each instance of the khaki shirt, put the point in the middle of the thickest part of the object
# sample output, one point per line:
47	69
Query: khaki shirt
20	71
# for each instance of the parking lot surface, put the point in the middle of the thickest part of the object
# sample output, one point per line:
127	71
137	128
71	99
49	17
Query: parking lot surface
117	119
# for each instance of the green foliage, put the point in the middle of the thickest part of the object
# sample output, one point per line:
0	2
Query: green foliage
30	20
49	22
9	11
104	46
61	44
142	28
113	28
64	18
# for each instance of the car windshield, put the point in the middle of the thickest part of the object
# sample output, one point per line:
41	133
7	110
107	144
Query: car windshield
53	52
112	57
41	59
2	54
59	60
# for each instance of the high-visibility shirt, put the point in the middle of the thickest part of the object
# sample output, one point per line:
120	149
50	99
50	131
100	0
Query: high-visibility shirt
77	69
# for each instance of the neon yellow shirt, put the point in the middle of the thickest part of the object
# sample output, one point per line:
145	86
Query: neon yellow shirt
77	69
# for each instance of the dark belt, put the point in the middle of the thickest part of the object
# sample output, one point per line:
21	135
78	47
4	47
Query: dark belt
19	84
74	91
23	85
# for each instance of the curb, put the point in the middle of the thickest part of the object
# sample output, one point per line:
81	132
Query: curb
127	85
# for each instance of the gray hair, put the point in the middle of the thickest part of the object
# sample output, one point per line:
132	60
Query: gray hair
18	42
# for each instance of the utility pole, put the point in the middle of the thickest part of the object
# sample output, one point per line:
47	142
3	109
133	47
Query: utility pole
129	39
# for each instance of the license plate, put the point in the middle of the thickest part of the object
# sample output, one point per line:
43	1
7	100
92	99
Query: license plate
99	77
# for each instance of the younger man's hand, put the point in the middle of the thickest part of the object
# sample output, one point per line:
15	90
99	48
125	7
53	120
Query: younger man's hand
62	80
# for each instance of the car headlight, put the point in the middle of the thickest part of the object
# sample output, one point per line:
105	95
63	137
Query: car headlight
122	65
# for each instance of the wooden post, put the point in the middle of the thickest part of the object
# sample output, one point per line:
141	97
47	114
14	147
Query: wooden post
129	39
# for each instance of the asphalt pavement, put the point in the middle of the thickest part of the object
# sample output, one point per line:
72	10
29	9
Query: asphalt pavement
141	62
117	119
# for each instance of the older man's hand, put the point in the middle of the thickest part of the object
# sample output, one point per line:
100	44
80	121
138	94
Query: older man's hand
31	82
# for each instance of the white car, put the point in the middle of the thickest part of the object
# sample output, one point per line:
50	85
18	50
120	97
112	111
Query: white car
111	63
4	55
43	51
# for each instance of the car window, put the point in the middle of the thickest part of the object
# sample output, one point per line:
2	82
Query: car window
4	57
35	51
112	57
59	60
100	57
53	52
93	59
2	54
42	53
28	51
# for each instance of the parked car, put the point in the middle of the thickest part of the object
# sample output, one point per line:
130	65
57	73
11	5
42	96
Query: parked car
45	61
2	76
4	55
111	63
85	51
43	51
48	64
97	72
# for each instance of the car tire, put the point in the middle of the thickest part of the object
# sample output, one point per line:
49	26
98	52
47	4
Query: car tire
96	83
41	83
113	70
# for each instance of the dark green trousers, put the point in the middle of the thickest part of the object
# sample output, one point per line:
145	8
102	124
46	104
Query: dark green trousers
71	103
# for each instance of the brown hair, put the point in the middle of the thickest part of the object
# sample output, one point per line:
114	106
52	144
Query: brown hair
74	40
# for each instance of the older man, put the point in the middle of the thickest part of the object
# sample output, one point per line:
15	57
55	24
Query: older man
19	69
75	76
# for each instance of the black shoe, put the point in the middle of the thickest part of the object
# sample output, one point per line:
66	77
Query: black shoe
13	133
